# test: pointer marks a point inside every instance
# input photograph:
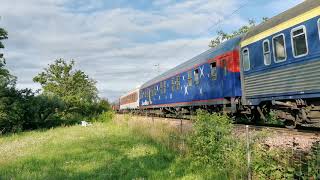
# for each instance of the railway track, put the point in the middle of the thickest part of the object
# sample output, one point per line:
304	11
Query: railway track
278	128
303	131
301	139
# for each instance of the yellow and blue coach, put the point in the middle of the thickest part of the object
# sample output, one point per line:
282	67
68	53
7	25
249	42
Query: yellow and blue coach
281	64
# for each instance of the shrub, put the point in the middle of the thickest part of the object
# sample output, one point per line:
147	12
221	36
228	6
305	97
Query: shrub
272	118
311	169
212	146
271	163
104	117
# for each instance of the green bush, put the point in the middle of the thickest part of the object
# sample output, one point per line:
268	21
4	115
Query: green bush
311	169
271	163
104	117
272	118
212	146
24	110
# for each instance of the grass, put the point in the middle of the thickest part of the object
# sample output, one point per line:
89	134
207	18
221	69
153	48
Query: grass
112	150
137	148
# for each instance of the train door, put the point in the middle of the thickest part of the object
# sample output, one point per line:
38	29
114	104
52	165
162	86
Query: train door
223	75
225	78
149	96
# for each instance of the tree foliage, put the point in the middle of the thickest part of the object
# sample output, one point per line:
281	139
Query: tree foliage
73	86
3	36
5	77
24	110
68	97
223	36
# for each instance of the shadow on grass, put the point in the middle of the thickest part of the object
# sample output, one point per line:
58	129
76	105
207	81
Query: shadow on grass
94	158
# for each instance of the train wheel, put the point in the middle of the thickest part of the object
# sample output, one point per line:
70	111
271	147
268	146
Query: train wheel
250	117
290	124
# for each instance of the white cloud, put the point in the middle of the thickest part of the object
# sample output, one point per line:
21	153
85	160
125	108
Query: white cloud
119	47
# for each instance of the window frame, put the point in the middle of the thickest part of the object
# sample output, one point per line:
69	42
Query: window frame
178	82
190	78
173	84
244	49
318	24
161	87
264	52
224	66
215	70
285	48
196	76
292	45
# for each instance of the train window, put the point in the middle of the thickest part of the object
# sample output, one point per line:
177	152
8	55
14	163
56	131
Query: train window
299	41
213	67
152	91
266	52
161	88
319	27
196	76
164	87
189	78
173	84
279	48
178	82
246	59
224	65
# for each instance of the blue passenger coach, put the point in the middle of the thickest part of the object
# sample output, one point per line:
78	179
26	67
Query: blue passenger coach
281	64
210	79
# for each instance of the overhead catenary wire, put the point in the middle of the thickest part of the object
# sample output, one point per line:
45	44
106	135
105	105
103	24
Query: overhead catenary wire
214	24
211	27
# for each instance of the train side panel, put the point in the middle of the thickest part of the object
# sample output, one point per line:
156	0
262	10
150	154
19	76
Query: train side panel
213	79
130	101
281	66
292	78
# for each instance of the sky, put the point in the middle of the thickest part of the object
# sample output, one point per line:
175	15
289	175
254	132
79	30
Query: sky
119	43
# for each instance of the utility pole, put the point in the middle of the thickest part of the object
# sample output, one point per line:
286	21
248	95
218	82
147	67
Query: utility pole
158	68
248	153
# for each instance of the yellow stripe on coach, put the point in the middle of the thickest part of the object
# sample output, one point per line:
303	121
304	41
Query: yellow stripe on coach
285	25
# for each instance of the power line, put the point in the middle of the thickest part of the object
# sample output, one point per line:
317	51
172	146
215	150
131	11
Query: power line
228	16
215	24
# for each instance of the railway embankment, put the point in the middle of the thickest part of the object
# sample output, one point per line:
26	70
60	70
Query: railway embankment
274	137
239	151
135	147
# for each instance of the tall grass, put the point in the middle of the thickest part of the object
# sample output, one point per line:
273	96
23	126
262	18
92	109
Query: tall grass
101	151
128	147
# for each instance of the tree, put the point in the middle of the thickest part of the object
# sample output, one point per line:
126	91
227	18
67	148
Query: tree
5	77
223	36
3	36
74	87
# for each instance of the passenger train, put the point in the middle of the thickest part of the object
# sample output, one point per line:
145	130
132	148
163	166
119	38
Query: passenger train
274	67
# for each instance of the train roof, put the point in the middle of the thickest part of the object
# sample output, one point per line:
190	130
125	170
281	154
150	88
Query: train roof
130	92
200	59
305	6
